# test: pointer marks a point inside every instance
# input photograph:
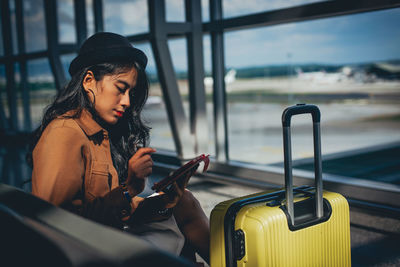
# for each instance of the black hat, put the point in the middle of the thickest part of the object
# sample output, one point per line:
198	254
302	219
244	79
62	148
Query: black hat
106	47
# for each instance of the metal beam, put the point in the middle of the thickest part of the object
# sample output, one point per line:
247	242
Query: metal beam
25	56
197	95
22	67
179	126
301	13
98	15
268	177
365	190
137	38
9	66
80	21
50	11
219	93
178	28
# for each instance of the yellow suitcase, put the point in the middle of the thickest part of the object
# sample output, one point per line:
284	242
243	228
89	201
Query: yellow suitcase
304	226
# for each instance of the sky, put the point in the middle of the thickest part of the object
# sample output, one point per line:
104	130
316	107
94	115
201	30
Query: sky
365	37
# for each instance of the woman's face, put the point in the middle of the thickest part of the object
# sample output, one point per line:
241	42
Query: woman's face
111	93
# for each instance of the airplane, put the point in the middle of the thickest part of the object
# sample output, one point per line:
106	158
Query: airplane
229	78
324	77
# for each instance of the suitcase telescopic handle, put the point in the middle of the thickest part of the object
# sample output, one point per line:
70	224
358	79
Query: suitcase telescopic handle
316	116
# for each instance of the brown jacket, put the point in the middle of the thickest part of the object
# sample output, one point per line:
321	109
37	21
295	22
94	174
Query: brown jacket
72	168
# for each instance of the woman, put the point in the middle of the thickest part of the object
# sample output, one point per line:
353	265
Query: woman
89	154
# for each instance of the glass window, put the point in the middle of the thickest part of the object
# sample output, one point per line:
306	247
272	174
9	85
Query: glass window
34	26
349	66
234	8
175	10
90	17
66	21
209	92
126	17
178	50
66	61
154	112
1	37
13	21
13	30
42	88
3	92
207	54
20	111
205	10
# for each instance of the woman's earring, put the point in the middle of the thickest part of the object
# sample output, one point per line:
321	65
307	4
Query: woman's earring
94	96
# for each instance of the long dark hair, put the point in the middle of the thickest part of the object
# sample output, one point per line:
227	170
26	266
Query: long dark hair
125	136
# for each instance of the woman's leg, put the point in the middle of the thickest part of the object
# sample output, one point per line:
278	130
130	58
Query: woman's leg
193	223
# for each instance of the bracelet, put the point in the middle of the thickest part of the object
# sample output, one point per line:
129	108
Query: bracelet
164	212
126	192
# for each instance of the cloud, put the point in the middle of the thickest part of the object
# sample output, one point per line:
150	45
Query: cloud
364	36
126	17
274	45
238	7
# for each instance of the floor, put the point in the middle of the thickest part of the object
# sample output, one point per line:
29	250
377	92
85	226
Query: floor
375	238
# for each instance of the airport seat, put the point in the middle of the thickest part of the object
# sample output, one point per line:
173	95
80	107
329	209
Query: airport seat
36	233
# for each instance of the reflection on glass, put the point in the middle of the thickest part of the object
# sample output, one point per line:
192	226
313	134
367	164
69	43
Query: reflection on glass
154	113
234	8
34	24
126	17
66	21
42	88
349	66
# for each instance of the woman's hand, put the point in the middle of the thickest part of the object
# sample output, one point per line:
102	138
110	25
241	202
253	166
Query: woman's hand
140	166
173	194
152	209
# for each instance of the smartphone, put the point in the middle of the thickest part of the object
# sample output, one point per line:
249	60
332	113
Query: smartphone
182	172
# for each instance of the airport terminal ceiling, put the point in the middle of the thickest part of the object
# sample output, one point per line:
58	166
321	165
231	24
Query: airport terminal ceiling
221	73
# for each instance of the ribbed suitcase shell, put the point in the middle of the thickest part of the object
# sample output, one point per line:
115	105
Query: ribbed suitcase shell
270	242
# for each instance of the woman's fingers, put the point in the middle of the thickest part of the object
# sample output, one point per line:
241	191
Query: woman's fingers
140	164
183	182
143	152
173	195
